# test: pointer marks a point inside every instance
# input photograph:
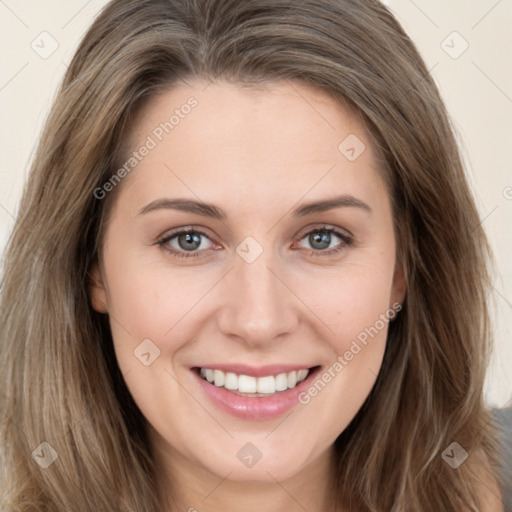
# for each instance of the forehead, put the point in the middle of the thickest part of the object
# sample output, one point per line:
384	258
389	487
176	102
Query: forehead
275	142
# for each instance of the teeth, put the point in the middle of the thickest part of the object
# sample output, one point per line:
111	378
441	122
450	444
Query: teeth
281	382
218	378
301	375
231	381
266	385
246	384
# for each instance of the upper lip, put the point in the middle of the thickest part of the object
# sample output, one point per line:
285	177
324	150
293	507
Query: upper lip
256	371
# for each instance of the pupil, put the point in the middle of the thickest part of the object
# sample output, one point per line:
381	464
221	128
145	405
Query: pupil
191	241
321	237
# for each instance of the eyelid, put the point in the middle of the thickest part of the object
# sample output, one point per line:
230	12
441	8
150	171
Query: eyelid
324	225
168	235
344	235
319	226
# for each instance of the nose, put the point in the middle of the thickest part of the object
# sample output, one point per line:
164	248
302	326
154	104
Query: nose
257	304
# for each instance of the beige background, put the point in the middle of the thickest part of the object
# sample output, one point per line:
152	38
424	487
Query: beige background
476	83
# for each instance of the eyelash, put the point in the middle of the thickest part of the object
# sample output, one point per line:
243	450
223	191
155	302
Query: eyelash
346	241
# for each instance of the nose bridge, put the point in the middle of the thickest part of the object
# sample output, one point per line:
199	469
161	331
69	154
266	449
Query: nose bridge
258	306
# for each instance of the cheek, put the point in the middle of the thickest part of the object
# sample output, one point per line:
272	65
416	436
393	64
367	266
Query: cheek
149	301
350	302
355	306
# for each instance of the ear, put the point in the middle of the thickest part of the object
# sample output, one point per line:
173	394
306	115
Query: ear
399	287
97	290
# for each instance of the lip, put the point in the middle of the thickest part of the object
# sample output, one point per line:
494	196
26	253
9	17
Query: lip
255	408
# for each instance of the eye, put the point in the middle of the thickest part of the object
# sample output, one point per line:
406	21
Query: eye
185	243
190	242
322	238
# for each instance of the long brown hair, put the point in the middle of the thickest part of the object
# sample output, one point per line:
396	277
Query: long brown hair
60	383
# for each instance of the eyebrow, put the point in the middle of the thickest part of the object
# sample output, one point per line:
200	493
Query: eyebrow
210	210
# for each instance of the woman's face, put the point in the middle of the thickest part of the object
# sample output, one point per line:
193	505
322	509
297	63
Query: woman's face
260	292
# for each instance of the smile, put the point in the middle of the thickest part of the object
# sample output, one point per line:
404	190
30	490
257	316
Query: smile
254	393
248	385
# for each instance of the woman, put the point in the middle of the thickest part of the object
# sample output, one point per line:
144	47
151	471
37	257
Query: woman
247	273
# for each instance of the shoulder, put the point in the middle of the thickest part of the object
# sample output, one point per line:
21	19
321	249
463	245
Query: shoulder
488	487
491	499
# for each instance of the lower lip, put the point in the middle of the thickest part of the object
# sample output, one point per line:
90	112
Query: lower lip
255	408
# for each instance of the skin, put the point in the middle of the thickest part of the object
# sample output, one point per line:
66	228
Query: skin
257	154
